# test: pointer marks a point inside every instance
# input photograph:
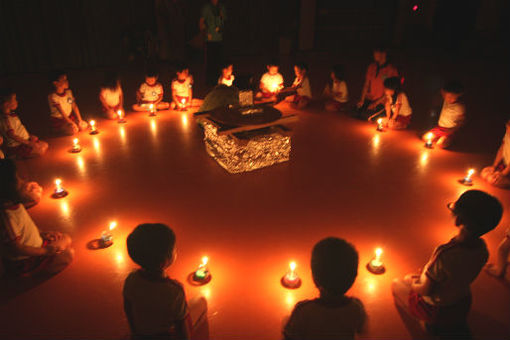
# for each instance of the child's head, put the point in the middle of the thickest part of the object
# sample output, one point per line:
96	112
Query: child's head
227	69
477	212
380	54
111	81
300	69
182	71
151	75
334	266
337	73
152	246
452	91
8	182
8	101
59	80
392	86
272	67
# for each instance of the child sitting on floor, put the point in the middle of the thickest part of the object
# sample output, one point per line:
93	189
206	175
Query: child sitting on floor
499	173
398	110
111	96
18	142
441	296
333	315
155	305
182	88
451	117
499	269
150	92
26	250
302	87
271	82
65	114
227	77
335	92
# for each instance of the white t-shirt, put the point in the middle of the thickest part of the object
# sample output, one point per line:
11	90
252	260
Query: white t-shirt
506	149
181	88
65	101
111	98
303	88
405	108
150	93
226	81
12	122
17	225
452	115
339	87
272	82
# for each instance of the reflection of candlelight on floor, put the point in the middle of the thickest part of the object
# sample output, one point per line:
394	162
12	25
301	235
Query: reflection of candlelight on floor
206	292
424	158
81	165
97	145
64	206
184	120
154	128
122	132
290	300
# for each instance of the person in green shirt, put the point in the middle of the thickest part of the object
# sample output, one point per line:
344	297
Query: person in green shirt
212	21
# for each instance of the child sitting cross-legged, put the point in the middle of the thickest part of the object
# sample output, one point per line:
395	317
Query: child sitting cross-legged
333	315
271	82
150	92
155	305
335	93
111	96
398	110
302	87
26	251
182	89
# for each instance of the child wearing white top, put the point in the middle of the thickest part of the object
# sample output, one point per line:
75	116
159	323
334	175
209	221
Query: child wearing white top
271	82
65	115
150	92
398	110
227	78
499	173
302	87
182	89
335	93
27	250
111	96
451	117
18	142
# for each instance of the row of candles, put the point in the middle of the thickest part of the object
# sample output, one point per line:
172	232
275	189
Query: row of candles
429	138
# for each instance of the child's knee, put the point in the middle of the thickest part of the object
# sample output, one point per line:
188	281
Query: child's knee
163	106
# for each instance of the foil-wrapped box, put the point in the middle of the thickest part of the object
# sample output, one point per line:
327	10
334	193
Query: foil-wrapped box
249	150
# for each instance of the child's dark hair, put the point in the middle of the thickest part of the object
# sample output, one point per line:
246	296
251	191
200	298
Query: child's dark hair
226	63
338	71
6	94
393	83
302	66
454	87
479	212
181	66
8	182
334	265
381	48
55	75
273	62
151	245
151	71
111	80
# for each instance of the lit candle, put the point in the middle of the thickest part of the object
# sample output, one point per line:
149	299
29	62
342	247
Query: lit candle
467	180
380	124
376	266
429	137
121	117
183	104
152	111
291	280
59	191
93	130
106	239
76	146
202	274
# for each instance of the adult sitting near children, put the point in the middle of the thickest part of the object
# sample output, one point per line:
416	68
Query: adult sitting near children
372	97
440	296
26	251
499	173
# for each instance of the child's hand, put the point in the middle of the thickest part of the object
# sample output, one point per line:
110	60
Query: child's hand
52	235
75	127
32	190
82	125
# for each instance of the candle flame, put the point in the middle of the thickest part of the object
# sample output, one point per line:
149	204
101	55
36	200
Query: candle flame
205	260
429	136
470	172
119	113
292	266
151	106
183	100
378	252
113	225
92	123
75	141
379	121
58	182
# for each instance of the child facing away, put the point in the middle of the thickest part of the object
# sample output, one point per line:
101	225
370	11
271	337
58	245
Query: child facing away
150	92
440	296
302	87
18	142
452	115
499	173
271	82
182	89
398	110
227	77
156	305
111	96
26	250
333	315
335	93
65	115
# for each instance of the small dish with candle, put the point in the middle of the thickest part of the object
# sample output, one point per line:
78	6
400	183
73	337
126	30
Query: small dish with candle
201	275
376	266
291	280
59	190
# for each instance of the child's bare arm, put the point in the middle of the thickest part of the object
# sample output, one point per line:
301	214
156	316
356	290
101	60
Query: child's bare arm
174	96
24	250
397	110
17	138
77	111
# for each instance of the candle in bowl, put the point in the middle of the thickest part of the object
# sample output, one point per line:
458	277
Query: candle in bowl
120	116
93	129
468	180
376	266
429	137
76	146
59	190
291	279
106	239
202	276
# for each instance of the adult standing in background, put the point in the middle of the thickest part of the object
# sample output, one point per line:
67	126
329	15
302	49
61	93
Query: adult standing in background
212	20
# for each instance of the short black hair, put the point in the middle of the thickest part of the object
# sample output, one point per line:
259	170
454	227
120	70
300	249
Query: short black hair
334	265
151	245
273	62
479	211
5	94
338	71
393	83
454	87
301	65
381	48
56	74
151	71
226	63
8	182
111	80
181	66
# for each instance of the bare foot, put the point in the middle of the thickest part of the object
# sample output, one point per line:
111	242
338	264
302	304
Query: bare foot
494	270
